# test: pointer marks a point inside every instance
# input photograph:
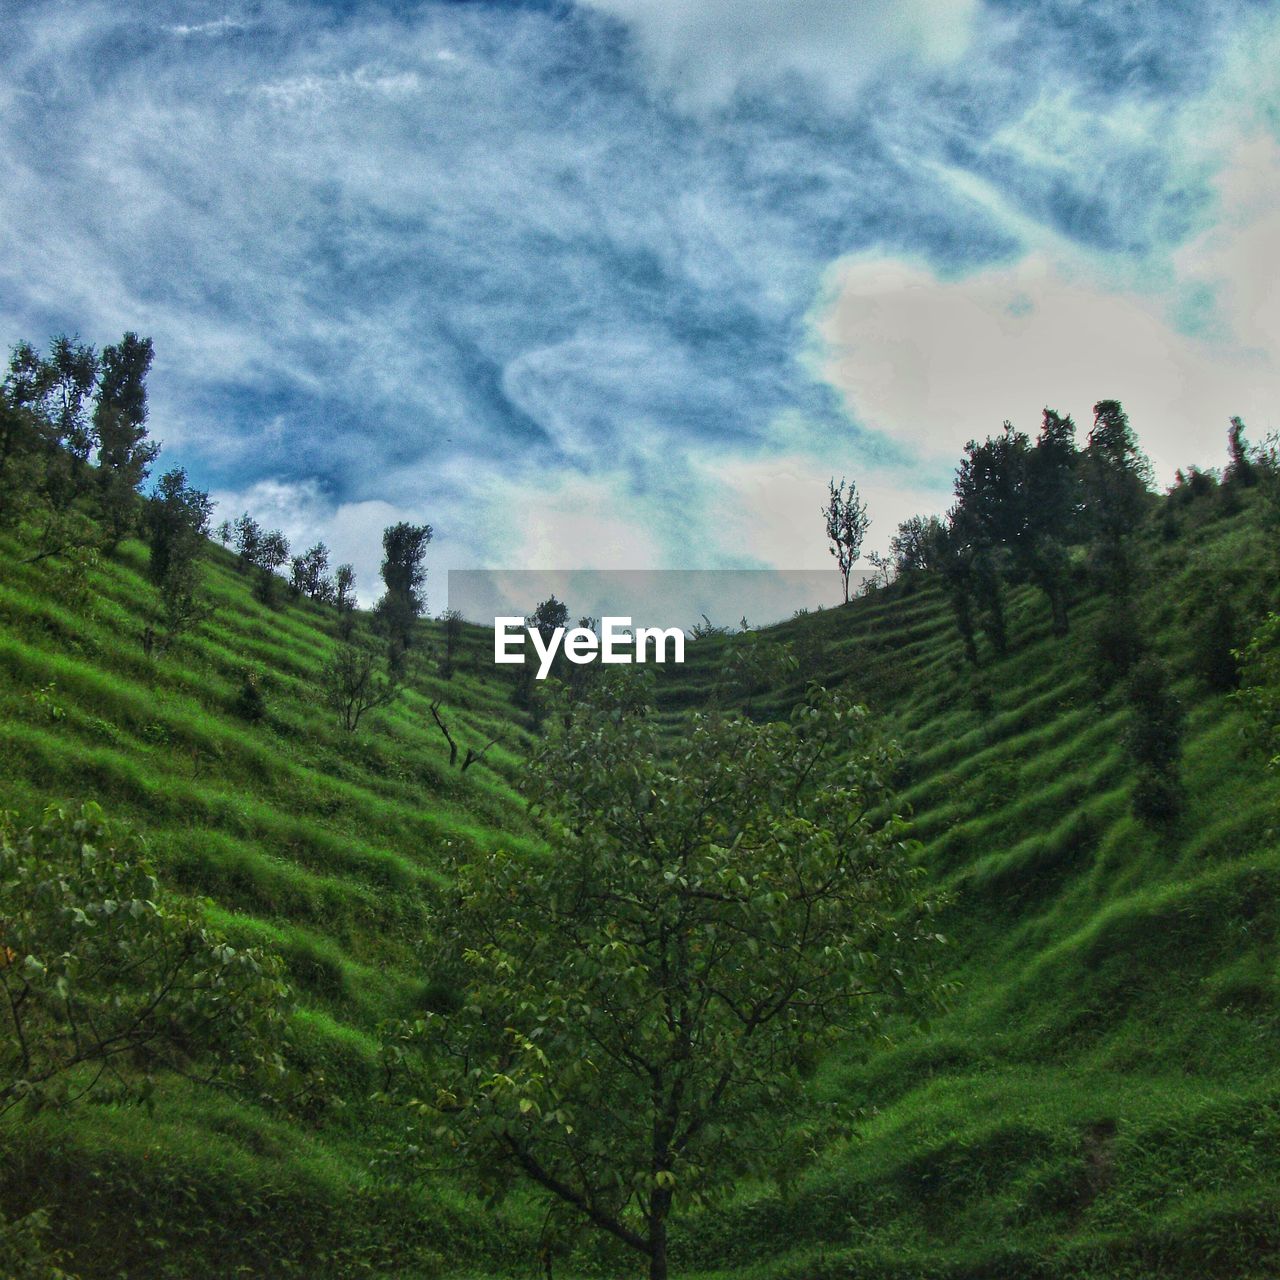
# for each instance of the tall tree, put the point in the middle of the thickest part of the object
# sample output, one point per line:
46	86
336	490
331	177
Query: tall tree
177	525
344	599
847	523
1117	478
404	547
125	454
639	1014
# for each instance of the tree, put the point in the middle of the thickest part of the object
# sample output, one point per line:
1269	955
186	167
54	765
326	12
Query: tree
177	526
353	685
636	1015
945	555
105	977
344	600
908	548
1240	469
847	524
271	553
404	546
310	575
472	756
1020	501
1117	480
452	620
246	532
48	422
125	454
22	435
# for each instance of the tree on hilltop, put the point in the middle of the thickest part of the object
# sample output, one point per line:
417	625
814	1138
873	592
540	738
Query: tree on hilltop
846	523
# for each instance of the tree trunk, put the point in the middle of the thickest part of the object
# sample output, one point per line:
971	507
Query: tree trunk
658	1249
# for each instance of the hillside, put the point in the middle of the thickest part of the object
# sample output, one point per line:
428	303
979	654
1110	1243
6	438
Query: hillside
1101	1099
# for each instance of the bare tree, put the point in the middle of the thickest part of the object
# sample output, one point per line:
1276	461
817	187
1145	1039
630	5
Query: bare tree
353	685
472	756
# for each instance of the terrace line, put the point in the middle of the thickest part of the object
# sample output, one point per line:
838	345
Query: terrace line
582	645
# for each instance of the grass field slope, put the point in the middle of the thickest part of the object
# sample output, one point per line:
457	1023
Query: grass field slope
1100	1099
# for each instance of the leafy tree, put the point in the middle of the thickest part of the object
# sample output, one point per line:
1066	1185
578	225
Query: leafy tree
22	437
125	454
271	553
247	535
548	616
49	429
344	600
1022	499
106	978
847	523
1117	479
637	1015
310	574
946	555
353	685
908	548
177	525
404	547
1240	469
452	620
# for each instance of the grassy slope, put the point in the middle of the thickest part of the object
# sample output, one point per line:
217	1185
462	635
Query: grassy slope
1103	1098
308	839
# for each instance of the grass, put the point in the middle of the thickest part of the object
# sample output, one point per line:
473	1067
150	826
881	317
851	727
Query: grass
1101	1099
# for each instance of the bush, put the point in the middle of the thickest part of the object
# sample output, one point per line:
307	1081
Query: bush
250	704
25	1250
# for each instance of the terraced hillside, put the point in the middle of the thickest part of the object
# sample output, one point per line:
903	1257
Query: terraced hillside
308	839
1102	1098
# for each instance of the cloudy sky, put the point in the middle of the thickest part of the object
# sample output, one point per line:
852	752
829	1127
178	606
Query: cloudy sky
620	283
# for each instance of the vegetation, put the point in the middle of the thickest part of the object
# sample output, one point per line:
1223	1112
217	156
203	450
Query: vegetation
636	1013
1099	1098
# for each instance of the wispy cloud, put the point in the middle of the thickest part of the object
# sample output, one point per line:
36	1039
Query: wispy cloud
528	271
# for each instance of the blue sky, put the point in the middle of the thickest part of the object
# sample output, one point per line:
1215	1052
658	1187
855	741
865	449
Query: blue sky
620	283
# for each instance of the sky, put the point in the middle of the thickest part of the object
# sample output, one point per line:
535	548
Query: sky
621	283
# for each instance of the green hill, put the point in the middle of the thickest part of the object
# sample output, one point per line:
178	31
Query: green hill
1102	1097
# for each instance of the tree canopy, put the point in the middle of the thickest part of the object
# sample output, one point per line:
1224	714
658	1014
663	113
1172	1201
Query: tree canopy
636	1014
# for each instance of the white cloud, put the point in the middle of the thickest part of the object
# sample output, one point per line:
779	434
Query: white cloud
932	361
702	52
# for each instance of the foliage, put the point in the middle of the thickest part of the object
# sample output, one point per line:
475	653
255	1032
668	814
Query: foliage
106	978
125	454
452	620
25	1249
352	684
250	702
177	525
309	575
846	524
404	548
640	1011
1260	687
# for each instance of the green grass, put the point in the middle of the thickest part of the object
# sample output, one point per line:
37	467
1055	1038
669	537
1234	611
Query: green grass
1102	1097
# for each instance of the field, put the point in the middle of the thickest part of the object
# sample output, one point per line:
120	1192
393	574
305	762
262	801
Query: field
1101	1098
